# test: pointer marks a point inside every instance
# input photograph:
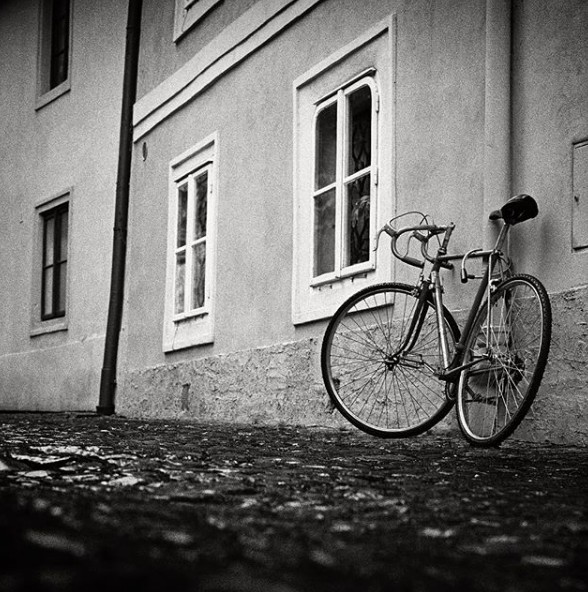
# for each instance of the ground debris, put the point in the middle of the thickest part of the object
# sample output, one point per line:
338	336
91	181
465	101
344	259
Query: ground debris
112	504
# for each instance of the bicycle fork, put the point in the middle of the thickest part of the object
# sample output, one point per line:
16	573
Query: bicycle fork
413	331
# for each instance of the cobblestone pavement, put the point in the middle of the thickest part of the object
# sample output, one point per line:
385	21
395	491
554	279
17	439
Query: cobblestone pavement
95	503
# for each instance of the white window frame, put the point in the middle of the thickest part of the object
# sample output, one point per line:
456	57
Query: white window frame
52	325
189	12
372	55
190	183
45	94
342	179
192	326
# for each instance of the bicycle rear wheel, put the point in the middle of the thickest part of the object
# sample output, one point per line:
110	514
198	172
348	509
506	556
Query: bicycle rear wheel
511	342
379	383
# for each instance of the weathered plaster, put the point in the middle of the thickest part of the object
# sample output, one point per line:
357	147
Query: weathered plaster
282	384
559	411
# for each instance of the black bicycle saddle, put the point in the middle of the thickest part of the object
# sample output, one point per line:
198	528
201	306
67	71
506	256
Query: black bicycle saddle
517	209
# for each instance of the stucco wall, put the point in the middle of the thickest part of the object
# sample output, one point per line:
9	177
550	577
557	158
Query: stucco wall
68	143
550	113
261	367
254	258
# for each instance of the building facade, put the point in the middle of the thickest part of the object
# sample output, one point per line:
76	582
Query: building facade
61	86
271	139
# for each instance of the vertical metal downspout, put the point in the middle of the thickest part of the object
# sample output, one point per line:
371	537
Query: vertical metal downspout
498	102
119	245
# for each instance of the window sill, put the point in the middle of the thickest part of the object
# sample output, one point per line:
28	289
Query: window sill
53	94
190	332
45	327
356	272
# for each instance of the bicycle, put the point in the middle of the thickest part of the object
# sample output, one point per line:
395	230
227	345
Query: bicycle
394	361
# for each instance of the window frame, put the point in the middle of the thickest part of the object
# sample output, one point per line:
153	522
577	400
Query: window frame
340	98
191	241
194	326
188	13
54	265
372	54
41	323
45	92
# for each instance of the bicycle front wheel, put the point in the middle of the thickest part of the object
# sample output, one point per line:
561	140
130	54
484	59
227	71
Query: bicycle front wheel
378	376
510	339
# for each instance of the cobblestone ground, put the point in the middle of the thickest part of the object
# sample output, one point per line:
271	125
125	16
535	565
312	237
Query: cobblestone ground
94	503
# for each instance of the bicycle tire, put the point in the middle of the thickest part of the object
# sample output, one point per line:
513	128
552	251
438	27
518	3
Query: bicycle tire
494	396
364	383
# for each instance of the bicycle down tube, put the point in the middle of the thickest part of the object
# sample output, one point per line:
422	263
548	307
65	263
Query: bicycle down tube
454	368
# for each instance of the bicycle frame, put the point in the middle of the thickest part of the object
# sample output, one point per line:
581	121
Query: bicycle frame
431	281
394	362
454	367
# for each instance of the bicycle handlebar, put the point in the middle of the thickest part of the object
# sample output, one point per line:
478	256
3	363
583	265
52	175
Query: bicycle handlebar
431	230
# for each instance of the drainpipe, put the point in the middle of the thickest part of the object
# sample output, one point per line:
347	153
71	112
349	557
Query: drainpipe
497	126
121	210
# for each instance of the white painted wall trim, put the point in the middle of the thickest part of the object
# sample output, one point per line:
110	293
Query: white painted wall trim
181	333
311	303
38	326
252	30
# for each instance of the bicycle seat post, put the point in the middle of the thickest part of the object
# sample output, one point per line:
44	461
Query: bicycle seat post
501	237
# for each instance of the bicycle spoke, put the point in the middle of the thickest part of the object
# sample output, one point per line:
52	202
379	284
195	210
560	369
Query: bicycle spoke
380	377
495	394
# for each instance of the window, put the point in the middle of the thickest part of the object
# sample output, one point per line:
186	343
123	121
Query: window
54	50
188	318
189	12
580	196
191	235
345	181
343	173
54	267
51	264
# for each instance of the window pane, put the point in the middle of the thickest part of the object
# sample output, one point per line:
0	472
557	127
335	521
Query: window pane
182	215
201	206
58	69
180	281
59	42
358	220
326	146
49	240
63	241
54	273
62	284
360	130
324	233
198	274
47	292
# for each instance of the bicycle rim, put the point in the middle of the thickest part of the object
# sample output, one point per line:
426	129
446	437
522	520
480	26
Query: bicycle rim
379	387
512	346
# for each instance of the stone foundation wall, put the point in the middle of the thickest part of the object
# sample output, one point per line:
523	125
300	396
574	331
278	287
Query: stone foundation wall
282	384
278	384
560	411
